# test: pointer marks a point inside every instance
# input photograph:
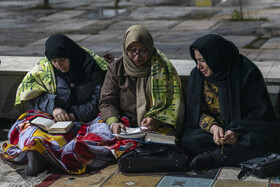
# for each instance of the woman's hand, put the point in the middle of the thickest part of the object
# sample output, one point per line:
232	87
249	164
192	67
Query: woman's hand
230	137
147	124
60	115
72	117
117	127
218	134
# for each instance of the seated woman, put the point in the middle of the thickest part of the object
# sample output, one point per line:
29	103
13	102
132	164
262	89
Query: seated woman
64	86
229	115
75	76
142	86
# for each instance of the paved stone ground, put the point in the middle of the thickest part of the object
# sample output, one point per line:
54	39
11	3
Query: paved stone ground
96	25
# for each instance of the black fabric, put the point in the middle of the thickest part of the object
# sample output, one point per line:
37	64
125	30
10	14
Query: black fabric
245	99
198	141
82	65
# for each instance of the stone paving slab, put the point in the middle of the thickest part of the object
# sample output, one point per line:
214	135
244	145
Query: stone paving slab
102	13
173	37
33	50
102	38
224	13
75	37
271	54
94	179
6	48
148	3
270	14
162	12
275	24
99	4
273	75
265	68
232	27
13	24
136	180
65	26
104	48
240	41
62	15
68	4
230	174
251	54
9	4
11	38
272	43
192	25
152	25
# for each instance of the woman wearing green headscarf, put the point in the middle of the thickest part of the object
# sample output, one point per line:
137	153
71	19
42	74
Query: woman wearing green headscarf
142	86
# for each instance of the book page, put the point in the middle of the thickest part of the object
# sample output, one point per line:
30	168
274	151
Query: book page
131	133
43	122
60	125
130	130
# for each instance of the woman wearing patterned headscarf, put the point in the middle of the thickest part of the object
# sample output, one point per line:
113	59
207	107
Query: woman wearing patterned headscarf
229	115
142	85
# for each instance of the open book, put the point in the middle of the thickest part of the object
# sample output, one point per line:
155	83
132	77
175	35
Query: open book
51	126
151	136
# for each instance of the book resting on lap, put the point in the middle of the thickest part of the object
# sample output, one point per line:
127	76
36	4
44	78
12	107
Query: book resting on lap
51	126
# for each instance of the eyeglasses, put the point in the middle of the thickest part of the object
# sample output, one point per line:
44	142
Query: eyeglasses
140	53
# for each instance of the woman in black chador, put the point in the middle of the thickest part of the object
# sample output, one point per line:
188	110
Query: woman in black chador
229	115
